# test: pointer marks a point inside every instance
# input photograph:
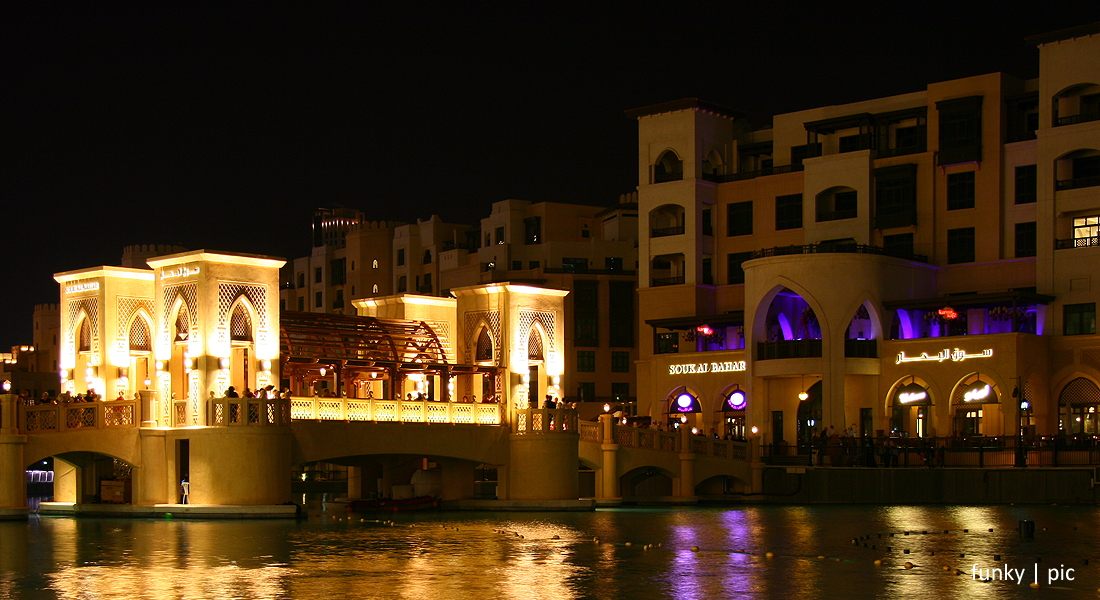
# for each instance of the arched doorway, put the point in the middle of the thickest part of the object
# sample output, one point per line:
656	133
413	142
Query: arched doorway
910	408
975	400
809	419
1078	408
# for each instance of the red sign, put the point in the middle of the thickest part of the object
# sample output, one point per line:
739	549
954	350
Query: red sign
948	313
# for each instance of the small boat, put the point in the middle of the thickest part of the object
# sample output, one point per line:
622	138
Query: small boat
406	504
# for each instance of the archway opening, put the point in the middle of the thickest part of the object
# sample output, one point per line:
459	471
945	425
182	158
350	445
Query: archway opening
1079	408
791	328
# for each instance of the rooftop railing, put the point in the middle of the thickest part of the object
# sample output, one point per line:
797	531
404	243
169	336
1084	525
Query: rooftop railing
836	249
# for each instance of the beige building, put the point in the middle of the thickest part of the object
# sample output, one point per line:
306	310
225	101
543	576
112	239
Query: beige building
918	264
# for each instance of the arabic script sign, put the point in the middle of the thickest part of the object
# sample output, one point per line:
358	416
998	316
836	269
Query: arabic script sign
180	272
946	354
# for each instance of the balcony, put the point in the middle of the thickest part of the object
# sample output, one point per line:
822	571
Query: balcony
1083	242
1075	119
754	174
660	281
1078	182
788	349
836	249
667	231
835	215
861	348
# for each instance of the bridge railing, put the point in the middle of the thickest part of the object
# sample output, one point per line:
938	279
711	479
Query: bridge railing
645	439
73	416
242	412
393	410
666	441
537	421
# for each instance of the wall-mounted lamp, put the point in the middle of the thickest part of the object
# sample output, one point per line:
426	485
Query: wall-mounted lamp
223	363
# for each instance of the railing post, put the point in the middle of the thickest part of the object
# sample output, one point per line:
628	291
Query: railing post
148	407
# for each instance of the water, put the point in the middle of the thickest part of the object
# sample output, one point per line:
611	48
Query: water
480	555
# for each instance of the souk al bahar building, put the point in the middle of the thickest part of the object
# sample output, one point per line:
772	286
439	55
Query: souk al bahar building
920	264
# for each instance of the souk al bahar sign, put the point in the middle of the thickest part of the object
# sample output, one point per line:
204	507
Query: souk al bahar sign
712	367
946	354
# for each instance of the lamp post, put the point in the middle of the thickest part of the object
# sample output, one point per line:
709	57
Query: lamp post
1023	405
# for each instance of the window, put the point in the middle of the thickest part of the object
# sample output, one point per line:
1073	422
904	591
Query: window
374	265
708	227
282	306
1079	319
960	245
735	273
1025	239
488	239
517	265
400	257
402	284
800	153
301	280
620	362
960	190
374	290
586	234
338	271
900	245
708	276
1086	231
586	391
666	343
532	230
851	143
834	204
574	265
896	196
317	300
302	304
908	140
500	235
586	313
1025	184
427	289
621	313
960	130
620	391
339	301
613	263
788	212
534	264
739	218
317	275
586	361
427	257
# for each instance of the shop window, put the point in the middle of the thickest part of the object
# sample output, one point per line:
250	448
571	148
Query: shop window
739	218
960	190
960	245
586	361
1026	184
666	343
1025	239
1079	319
788	212
620	362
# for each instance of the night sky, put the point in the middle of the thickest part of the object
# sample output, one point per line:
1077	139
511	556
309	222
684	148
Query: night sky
224	128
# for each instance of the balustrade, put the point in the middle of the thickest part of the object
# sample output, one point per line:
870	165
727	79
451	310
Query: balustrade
44	418
392	410
538	421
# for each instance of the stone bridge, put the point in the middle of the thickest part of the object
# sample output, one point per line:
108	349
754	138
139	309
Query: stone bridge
244	452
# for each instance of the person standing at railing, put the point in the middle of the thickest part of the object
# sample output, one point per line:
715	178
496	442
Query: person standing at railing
230	392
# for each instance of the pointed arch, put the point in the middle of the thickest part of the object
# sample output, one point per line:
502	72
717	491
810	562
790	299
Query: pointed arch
179	326
483	344
82	327
242	320
140	331
536	346
760	314
668	167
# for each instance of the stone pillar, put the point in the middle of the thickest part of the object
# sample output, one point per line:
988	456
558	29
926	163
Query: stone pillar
13	479
148	407
687	464
544	466
610	468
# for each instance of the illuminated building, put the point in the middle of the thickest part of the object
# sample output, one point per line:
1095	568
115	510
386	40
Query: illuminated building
920	263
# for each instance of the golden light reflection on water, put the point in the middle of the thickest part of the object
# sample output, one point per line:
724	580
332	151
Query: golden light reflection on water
481	556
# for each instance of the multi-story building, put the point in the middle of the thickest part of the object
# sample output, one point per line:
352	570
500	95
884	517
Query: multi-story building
352	257
920	263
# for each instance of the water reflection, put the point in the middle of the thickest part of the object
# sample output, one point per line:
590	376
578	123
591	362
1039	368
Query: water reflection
548	555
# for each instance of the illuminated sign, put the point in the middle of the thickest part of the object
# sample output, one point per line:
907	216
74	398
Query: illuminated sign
714	367
948	313
685	403
180	272
946	354
705	330
912	394
736	400
978	393
83	286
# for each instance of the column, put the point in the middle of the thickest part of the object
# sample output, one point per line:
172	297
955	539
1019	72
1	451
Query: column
148	407
610	471
13	479
687	464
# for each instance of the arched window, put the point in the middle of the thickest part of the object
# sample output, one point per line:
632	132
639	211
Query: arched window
139	336
1079	407
240	325
712	165
668	167
85	336
375	289
534	345
374	265
837	203
183	325
484	346
427	257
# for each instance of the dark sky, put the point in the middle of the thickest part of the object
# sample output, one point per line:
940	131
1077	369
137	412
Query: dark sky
223	128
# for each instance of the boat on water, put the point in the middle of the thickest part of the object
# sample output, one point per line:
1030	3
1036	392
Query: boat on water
402	505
